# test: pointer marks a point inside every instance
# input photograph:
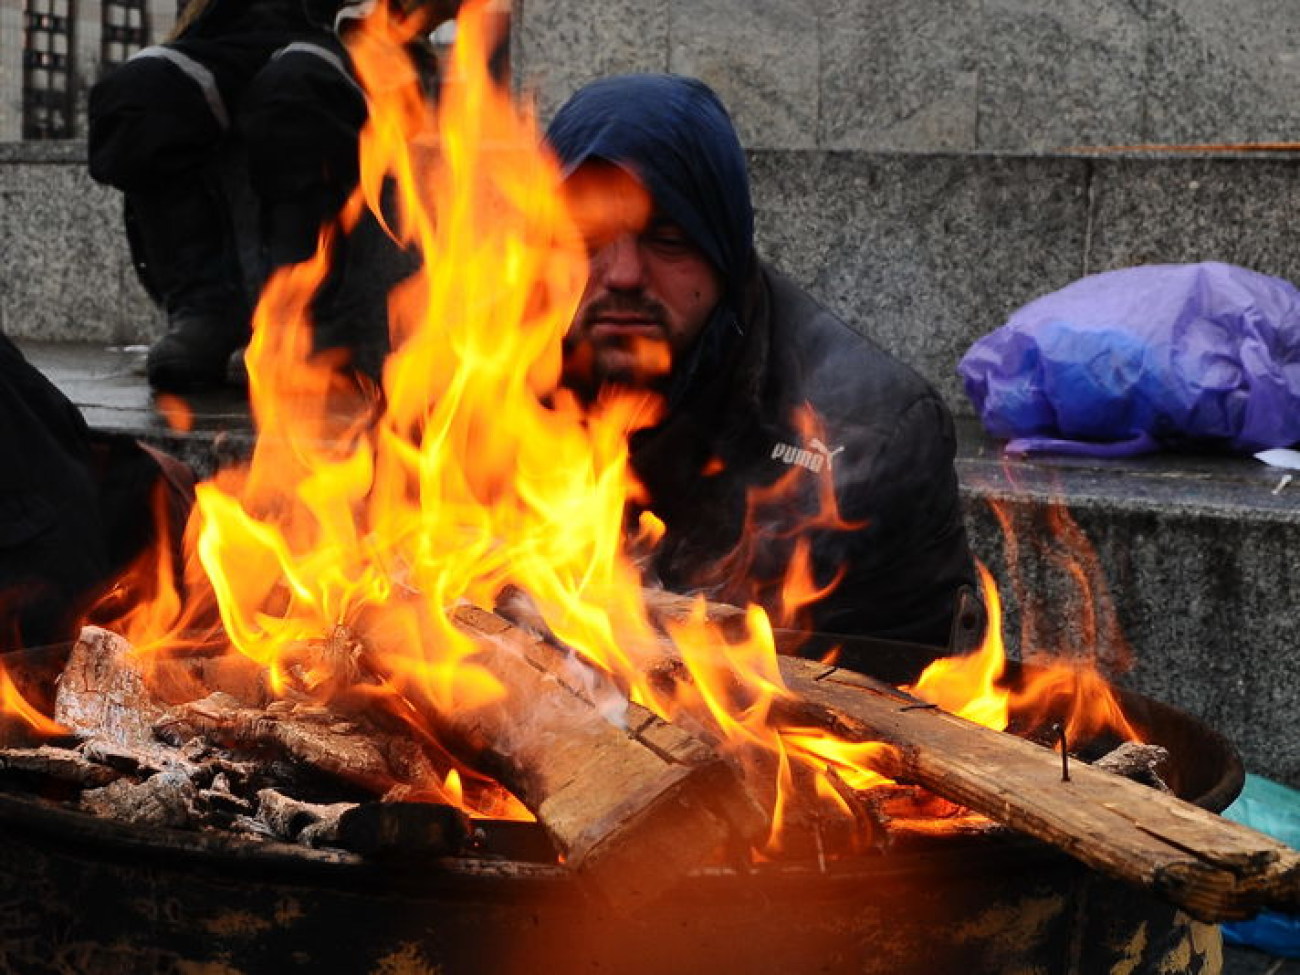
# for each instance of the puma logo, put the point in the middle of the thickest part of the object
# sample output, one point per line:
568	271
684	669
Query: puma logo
816	458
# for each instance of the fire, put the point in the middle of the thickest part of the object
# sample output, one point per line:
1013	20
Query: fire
967	686
14	704
466	469
970	687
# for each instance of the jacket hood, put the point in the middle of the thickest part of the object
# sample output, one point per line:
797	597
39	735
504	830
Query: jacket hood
673	134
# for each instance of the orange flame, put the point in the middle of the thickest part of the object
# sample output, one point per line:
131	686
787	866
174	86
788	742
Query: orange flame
13	703
1072	694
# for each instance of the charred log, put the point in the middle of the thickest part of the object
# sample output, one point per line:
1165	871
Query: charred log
1136	761
51	771
632	809
347	751
165	799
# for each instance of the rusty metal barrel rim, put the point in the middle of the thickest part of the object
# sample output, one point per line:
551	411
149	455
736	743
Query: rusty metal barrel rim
73	886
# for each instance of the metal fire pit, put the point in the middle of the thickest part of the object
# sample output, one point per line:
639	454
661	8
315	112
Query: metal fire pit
83	895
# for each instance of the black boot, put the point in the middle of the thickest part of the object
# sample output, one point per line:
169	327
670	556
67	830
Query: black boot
186	251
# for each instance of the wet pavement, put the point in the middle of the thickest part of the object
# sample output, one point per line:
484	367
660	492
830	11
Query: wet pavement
107	384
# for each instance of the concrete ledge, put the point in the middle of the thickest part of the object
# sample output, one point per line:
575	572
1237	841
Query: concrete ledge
1189	560
67	269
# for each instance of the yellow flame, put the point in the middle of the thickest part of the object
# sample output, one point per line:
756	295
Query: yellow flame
967	685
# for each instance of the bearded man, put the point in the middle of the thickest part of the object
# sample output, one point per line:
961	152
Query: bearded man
790	445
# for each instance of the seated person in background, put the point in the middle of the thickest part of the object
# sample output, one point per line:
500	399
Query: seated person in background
272	79
748	351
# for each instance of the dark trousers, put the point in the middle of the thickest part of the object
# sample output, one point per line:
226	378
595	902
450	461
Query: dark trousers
163	125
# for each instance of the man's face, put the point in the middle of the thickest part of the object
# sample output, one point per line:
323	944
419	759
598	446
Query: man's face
650	290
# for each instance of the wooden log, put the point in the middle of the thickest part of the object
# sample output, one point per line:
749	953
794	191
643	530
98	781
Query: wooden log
349	751
631	809
102	692
1212	868
664	607
46	766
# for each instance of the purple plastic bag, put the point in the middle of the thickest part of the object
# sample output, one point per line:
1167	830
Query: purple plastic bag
1126	361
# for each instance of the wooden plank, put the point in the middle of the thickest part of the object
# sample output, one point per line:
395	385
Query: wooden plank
1213	868
632	808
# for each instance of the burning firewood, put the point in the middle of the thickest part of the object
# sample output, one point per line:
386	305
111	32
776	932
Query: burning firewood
631	809
666	608
1209	866
103	693
349	751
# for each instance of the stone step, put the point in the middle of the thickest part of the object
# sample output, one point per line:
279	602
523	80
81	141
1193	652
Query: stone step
1195	556
1191	562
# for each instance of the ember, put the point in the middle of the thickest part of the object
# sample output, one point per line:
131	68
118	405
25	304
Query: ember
374	703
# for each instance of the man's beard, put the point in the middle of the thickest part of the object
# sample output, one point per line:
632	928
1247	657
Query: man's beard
635	361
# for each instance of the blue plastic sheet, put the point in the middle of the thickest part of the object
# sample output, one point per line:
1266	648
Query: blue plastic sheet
1129	361
1271	808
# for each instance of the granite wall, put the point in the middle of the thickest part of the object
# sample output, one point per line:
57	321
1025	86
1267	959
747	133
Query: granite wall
924	251
67	272
927	252
943	74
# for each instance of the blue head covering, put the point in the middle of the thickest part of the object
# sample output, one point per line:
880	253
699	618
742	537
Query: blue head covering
675	136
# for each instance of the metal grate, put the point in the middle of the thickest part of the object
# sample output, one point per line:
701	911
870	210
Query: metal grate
125	30
48	95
